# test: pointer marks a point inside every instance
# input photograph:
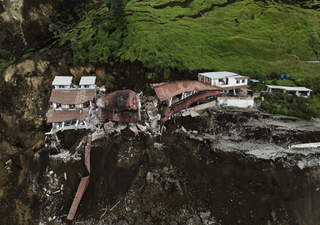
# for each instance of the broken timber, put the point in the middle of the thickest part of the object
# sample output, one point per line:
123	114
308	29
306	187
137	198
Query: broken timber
83	183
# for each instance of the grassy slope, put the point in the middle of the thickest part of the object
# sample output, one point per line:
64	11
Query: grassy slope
266	37
244	35
251	38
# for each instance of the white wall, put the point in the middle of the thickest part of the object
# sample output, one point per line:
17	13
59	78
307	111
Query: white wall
242	102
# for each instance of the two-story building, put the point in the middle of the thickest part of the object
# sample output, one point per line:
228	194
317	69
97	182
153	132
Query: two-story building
71	106
229	82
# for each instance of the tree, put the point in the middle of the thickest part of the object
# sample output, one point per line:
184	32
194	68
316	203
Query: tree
117	12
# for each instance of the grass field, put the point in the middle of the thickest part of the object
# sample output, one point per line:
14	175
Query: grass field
241	36
257	39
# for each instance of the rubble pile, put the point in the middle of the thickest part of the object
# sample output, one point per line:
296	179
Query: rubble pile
211	169
52	195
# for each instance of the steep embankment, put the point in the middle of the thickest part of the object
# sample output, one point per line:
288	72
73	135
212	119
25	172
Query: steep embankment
190	175
227	170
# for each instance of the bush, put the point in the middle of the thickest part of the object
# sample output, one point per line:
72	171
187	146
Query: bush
289	105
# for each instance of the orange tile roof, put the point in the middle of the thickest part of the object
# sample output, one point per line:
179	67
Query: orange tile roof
69	97
165	91
56	116
235	87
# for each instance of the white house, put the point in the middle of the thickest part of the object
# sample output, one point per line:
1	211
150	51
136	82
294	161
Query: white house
71	107
62	82
88	82
299	91
229	82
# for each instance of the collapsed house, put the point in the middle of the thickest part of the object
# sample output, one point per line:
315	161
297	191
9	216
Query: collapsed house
120	106
298	91
231	83
181	94
71	107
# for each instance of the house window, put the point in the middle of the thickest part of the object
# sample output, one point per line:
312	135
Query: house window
188	93
208	79
238	81
243	81
221	81
201	78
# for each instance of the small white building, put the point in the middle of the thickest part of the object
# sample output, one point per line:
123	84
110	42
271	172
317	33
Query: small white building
62	82
298	91
229	82
88	82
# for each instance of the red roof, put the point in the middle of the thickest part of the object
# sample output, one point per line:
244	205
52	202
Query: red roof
165	91
55	116
120	101
69	97
193	98
76	201
125	116
235	87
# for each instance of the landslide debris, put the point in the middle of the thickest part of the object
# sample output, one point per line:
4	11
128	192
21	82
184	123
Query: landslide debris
203	173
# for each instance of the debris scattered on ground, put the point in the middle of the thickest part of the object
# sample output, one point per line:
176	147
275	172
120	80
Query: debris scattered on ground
66	156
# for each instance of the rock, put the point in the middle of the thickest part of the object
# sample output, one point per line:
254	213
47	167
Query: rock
149	177
38	145
153	213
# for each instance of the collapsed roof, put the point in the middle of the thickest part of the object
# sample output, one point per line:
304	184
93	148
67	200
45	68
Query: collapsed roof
124	116
120	105
165	91
120	101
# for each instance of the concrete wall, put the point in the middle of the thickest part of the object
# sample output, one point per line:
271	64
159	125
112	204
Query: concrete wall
242	102
205	106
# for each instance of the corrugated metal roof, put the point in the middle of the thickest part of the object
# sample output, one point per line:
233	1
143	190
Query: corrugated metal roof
69	97
56	116
289	88
87	80
62	80
220	74
193	98
83	183
120	101
76	201
165	91
125	116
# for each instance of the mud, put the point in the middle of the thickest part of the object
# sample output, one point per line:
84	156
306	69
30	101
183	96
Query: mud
205	173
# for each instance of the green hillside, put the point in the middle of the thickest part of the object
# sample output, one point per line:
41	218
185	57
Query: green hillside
248	36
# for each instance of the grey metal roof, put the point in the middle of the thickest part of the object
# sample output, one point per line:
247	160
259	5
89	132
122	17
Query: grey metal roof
220	75
87	80
288	88
62	80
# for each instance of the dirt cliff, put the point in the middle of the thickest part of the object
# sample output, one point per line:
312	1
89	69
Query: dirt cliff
224	167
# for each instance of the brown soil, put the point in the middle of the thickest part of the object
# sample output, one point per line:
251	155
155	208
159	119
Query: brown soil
170	178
